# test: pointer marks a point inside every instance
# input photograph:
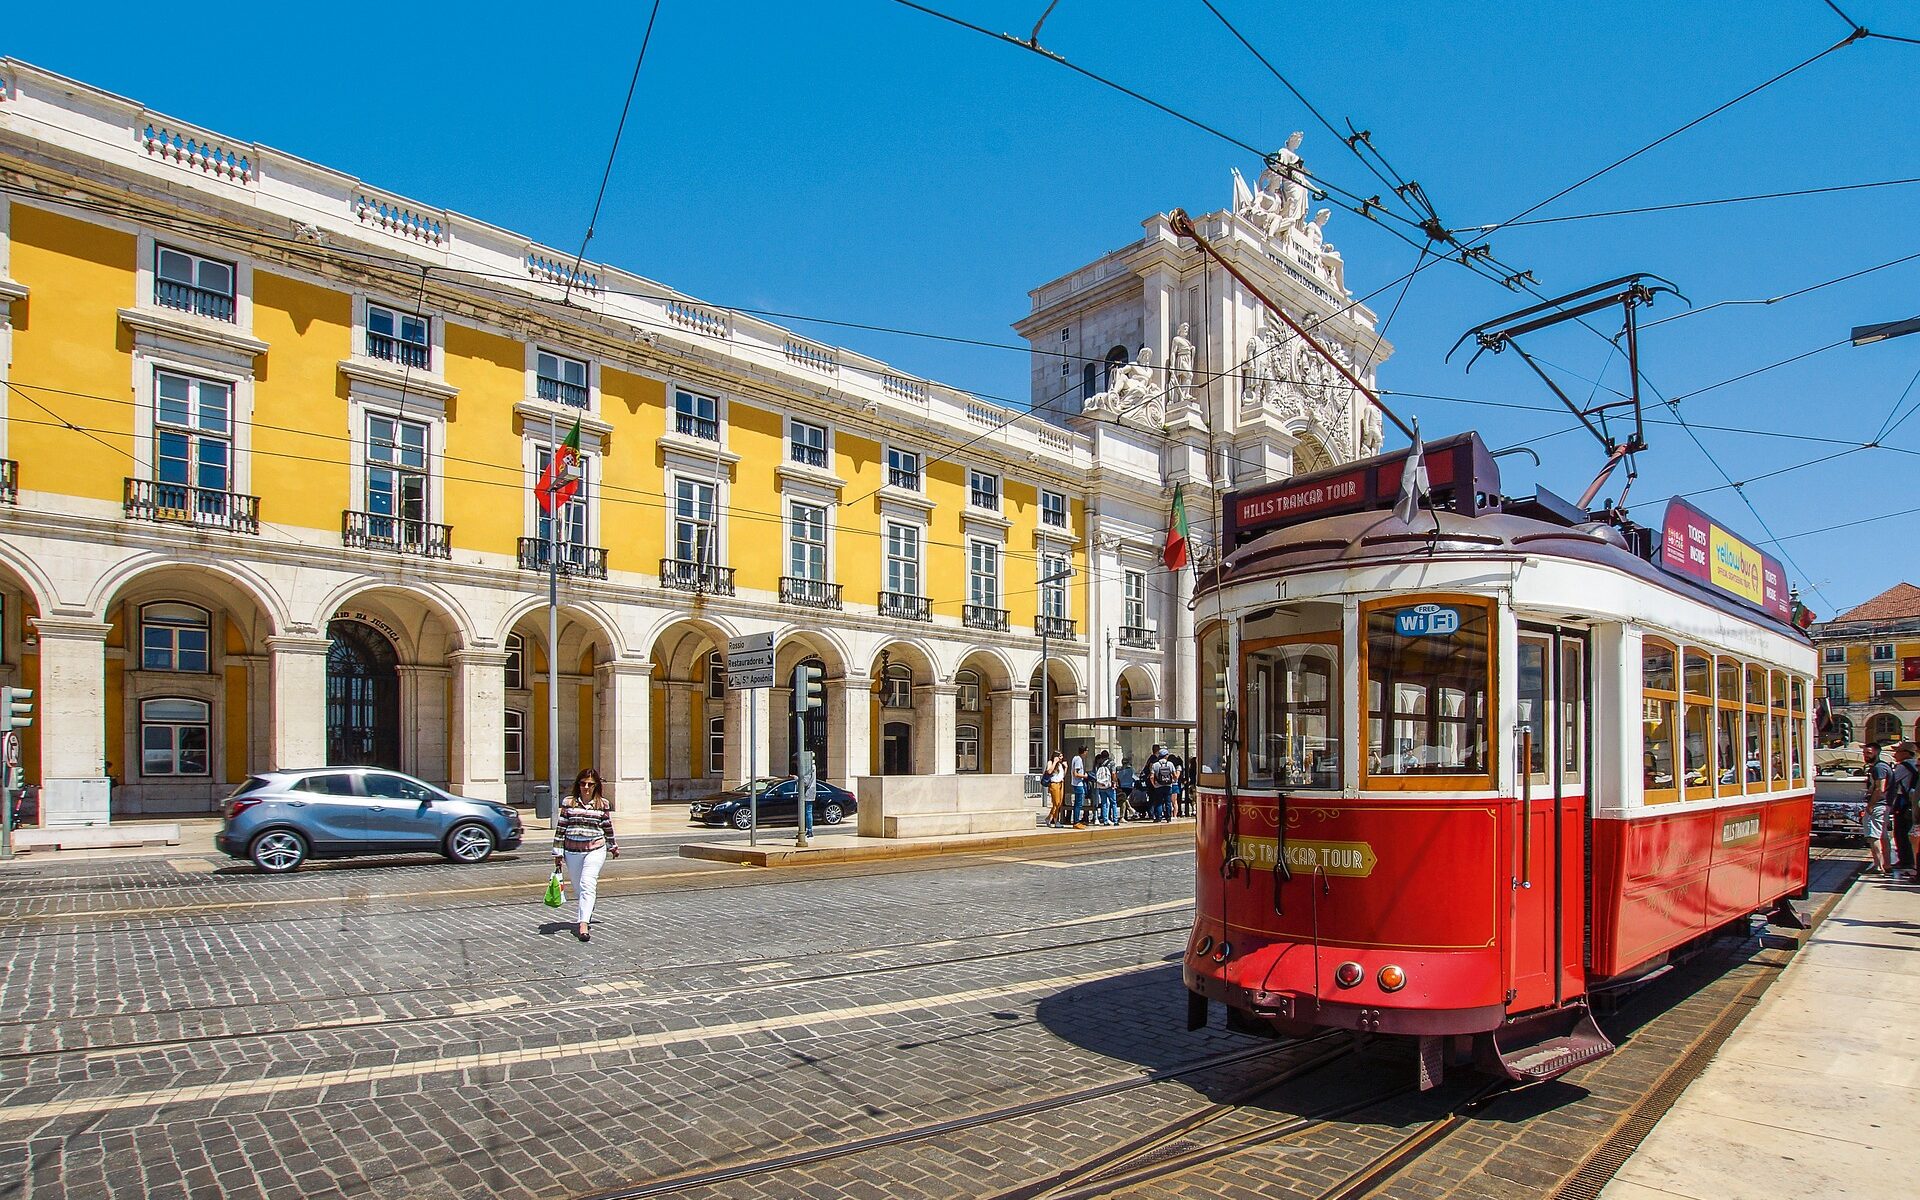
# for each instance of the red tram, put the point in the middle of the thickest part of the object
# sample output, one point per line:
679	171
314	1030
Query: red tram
1458	774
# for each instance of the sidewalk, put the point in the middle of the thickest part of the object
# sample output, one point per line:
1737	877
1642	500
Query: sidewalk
1816	1092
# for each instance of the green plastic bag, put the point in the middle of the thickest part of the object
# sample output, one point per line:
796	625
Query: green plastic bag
555	897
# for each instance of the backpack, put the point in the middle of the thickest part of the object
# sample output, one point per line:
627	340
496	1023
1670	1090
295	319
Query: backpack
1103	776
1162	772
1900	787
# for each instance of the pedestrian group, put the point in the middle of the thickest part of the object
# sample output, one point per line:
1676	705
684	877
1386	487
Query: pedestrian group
1888	818
1079	794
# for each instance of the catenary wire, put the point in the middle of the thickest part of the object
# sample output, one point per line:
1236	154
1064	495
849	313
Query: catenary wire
1687	204
619	128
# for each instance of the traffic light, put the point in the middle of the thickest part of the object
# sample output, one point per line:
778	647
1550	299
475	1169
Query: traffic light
16	708
809	687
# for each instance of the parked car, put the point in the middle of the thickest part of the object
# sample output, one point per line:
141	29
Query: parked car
279	819
831	805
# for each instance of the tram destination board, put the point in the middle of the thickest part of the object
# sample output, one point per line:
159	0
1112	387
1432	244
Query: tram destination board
1461	476
1693	546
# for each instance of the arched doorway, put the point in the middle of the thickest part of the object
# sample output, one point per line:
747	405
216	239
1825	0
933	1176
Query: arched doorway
896	748
363	697
813	734
1883	728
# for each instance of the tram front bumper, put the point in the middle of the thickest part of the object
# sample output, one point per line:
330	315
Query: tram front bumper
1295	1010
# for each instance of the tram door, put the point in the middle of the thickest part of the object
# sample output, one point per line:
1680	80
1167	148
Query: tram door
1548	826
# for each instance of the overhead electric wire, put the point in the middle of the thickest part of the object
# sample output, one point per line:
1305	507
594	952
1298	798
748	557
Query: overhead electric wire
1797	292
613	150
1686	204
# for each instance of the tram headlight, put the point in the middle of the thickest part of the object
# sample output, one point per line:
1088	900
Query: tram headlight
1348	974
1392	979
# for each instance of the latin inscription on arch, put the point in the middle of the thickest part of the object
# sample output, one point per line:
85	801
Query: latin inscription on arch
387	631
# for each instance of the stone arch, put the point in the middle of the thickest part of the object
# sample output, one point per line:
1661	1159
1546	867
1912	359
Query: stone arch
988	719
1136	692
34	583
692	738
1310	454
588	614
797	644
1883	727
398	597
239	579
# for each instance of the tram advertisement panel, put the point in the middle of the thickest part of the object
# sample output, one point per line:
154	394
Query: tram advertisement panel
1694	546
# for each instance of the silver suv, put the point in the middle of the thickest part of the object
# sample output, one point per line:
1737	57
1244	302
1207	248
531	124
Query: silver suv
279	819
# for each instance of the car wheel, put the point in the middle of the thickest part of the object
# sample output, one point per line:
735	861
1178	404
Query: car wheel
742	819
470	843
831	813
278	851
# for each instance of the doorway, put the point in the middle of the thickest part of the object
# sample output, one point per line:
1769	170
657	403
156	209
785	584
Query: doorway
1546	961
896	748
363	697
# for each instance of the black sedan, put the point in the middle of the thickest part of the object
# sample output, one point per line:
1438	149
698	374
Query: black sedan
831	805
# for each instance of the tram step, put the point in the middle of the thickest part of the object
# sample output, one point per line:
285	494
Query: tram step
1547	1045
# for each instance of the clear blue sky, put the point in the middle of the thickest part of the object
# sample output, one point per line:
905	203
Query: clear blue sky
861	161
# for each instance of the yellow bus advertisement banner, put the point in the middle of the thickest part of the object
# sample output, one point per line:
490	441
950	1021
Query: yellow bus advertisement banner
1736	565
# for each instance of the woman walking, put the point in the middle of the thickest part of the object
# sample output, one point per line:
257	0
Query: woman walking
583	841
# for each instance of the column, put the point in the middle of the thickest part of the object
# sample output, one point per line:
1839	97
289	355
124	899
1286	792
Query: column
1178	703
478	726
297	707
935	713
626	732
849	728
1011	727
683	757
780	743
69	707
741	765
423	722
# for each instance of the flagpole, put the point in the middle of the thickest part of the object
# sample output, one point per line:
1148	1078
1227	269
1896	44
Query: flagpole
553	627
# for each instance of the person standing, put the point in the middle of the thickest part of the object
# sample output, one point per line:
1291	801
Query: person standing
1873	817
1106	792
1056	777
583	841
1903	786
1161	774
1077	780
1129	783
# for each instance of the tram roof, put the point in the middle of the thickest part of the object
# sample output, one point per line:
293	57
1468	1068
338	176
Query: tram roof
1375	536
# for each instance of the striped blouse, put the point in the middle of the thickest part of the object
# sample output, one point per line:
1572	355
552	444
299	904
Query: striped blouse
579	826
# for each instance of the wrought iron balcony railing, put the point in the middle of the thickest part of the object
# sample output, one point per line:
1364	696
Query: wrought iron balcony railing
9	481
905	606
1140	636
687	576
400	535
982	616
812	456
407	354
150	501
584	562
561	392
809	593
696	426
1053	627
169	293
903	478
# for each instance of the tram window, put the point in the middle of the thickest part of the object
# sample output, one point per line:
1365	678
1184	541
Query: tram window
1777	730
1427	691
1696	725
1573	695
1657	702
1797	728
1293	715
1754	769
1211	747
1731	736
1533	702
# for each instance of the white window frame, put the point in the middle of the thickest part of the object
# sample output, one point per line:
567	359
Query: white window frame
717	746
1883	652
996	485
197	259
205	626
824	545
919	468
177	728
966	748
796	440
1834	654
675	411
1883	680
363	496
589	369
1053	596
195	435
1062	508
515	670
400	314
716	675
580	511
968	693
1836	682
717	526
896	687
149	252
1133	600
975	547
889	544
513	741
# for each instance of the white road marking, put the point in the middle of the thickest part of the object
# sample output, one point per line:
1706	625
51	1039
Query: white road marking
765	966
871	954
191	866
468	1007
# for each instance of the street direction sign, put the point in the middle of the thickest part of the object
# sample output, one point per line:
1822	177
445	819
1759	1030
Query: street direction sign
750	662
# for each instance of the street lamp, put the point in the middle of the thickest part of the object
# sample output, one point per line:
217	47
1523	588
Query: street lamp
1046	676
1866	335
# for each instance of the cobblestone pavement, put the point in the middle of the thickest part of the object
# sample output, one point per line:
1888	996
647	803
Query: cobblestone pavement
178	1027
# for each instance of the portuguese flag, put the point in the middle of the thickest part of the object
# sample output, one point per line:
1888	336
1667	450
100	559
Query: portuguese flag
558	483
1175	555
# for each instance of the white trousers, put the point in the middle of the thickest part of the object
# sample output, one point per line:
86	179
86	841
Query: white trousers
583	872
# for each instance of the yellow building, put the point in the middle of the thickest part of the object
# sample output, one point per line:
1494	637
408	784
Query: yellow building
1870	665
270	440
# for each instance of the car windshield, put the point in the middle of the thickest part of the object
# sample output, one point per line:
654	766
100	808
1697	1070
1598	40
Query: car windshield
763	786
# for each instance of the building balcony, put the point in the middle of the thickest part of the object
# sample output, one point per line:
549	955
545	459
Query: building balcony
808	456
561	392
9	481
685	575
1140	637
809	593
407	354
1054	627
168	293
397	535
982	616
208	509
694	425
581	562
905	607
905	480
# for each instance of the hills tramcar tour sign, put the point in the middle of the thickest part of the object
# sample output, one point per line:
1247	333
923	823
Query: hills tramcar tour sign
1693	546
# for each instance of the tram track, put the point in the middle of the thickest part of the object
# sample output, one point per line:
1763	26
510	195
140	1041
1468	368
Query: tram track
186	1014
